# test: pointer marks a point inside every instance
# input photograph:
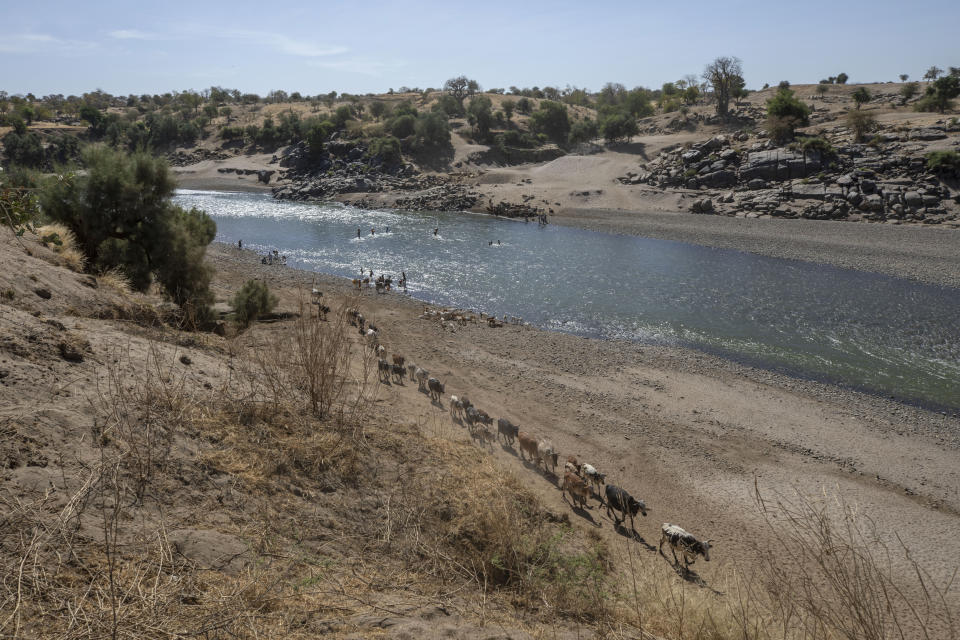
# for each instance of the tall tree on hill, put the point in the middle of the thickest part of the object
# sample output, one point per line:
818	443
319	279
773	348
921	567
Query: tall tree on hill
904	77
721	74
933	73
461	87
842	78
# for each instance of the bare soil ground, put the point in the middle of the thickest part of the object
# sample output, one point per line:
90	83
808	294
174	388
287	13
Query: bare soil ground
280	524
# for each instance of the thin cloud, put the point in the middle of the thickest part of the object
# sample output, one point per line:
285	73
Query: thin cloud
40	43
277	41
363	66
133	34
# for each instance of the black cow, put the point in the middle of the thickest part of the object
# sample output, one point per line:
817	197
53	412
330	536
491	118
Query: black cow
625	503
507	429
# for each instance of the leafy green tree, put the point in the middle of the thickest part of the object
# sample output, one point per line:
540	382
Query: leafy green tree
618	126
480	116
552	120
842	78
822	89
122	216
933	73
432	130
461	87
524	105
940	94
722	74
583	131
24	149
861	96
786	113
377	109
449	106
637	102
904	77
508	106
317	135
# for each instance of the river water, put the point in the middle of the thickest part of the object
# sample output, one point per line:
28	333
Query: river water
861	330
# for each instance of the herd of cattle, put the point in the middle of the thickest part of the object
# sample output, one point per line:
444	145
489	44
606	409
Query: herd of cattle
580	480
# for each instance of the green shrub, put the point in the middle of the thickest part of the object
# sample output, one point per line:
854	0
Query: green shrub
448	105
402	126
480	115
908	91
940	94
861	124
552	120
786	113
817	145
251	301
231	133
583	131
432	130
387	148
944	162
861	96
121	214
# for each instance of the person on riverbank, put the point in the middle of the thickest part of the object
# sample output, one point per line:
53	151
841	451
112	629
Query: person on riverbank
240	244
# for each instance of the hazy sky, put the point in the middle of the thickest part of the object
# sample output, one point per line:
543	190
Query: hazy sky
371	46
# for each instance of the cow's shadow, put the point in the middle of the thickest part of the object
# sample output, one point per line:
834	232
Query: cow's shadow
633	535
509	449
583	513
687	574
437	403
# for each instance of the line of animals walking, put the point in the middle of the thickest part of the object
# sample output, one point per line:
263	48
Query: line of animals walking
580	479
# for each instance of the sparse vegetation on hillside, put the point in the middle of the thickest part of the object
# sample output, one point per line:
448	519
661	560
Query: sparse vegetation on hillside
121	214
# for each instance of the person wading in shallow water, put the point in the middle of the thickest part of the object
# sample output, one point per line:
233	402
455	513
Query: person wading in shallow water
239	244
436	231
358	233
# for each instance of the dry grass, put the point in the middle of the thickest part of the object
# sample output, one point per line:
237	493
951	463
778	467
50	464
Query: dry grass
345	510
64	243
116	280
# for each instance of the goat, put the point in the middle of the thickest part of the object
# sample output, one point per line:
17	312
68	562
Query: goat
381	351
528	445
547	454
472	415
436	389
507	429
577	488
574	463
412	369
398	372
421	375
625	503
689	546
595	478
398	359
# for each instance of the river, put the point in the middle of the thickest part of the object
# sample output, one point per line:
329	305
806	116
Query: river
865	331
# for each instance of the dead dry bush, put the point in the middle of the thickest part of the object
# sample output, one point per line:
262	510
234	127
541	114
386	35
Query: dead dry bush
835	575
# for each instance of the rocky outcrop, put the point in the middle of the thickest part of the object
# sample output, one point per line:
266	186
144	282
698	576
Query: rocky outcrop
881	182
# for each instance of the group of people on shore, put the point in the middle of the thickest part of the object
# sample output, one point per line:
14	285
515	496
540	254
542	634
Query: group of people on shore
270	257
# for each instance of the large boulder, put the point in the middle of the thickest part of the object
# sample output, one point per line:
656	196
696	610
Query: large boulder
780	164
719	179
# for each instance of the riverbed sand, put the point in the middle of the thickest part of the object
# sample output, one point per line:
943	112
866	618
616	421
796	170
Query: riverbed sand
689	433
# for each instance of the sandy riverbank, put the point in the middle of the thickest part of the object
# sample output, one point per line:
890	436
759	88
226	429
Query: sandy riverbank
688	432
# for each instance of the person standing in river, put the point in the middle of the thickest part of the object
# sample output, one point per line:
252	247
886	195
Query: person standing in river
358	233
436	231
239	244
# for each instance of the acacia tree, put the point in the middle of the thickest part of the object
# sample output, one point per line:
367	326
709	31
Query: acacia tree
722	74
904	77
933	73
461	87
